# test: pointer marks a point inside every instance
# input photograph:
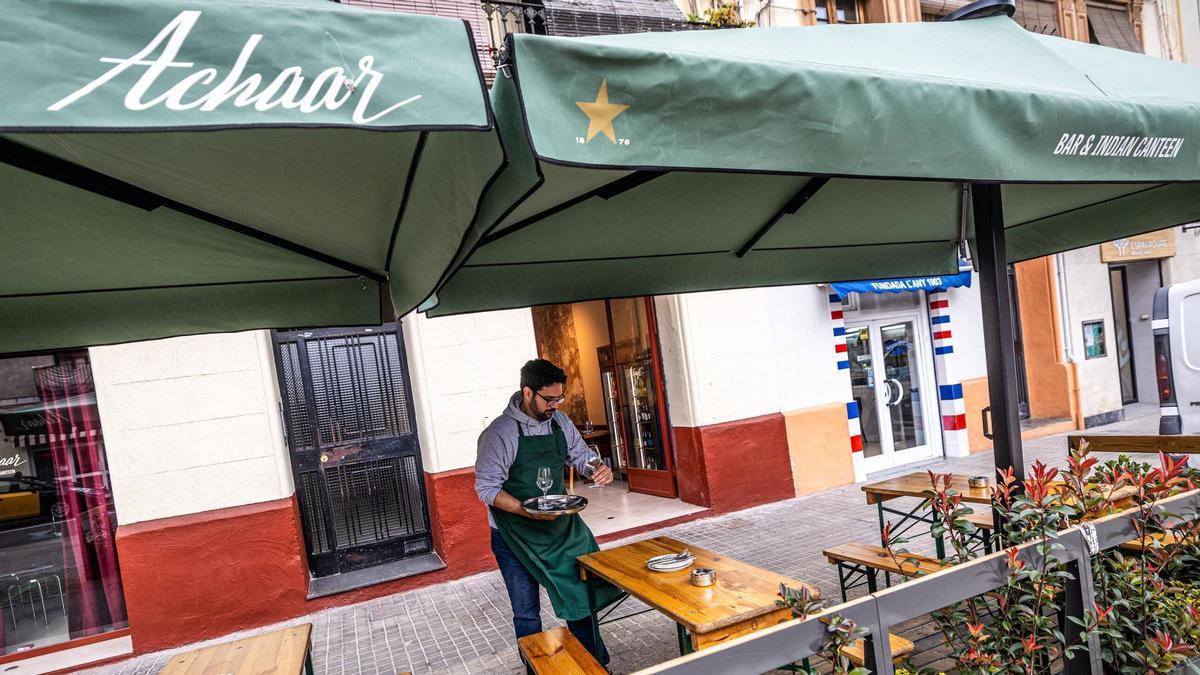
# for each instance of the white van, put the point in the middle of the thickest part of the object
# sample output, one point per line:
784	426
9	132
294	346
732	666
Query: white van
1176	327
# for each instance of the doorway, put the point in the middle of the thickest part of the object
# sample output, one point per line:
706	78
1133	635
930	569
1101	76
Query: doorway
1132	286
891	379
615	396
348	415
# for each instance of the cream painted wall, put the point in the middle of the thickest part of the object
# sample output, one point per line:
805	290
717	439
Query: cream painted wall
718	356
191	424
463	369
1089	299
731	355
591	331
802	338
969	360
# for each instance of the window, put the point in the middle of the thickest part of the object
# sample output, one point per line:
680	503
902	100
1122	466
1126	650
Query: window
59	578
843	11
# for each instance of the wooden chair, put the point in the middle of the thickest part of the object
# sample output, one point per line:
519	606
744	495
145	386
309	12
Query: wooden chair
865	561
281	652
557	652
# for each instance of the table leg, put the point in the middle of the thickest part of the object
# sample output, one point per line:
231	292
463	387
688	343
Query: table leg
685	640
594	609
882	522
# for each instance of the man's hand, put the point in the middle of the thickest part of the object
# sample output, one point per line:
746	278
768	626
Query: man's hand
507	502
602	475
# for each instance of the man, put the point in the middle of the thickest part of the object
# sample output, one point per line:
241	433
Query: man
539	549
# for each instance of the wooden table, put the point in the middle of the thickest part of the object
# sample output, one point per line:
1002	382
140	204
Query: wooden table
916	484
742	600
280	652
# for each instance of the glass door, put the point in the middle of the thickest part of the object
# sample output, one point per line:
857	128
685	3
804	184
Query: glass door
643	412
612	405
888	371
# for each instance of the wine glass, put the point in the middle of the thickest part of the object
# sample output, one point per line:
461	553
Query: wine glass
545	480
588	427
594	462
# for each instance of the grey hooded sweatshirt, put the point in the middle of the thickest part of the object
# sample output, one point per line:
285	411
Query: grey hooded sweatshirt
497	448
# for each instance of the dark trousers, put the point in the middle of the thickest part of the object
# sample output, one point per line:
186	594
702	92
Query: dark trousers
523	594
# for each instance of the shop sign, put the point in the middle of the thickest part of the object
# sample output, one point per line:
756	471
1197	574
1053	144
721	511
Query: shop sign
1147	246
10	464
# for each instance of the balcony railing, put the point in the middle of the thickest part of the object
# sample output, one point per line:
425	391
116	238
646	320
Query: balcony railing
505	18
794	641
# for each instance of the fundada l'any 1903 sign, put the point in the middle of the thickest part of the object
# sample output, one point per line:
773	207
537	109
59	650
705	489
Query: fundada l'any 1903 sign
1147	246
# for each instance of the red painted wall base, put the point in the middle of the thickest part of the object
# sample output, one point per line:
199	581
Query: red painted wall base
201	576
734	465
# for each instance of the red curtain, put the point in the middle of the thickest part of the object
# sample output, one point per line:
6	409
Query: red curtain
95	601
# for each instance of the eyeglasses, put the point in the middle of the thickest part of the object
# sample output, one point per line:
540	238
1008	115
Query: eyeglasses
551	401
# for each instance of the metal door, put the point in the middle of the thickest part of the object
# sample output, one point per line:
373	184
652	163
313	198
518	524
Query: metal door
347	410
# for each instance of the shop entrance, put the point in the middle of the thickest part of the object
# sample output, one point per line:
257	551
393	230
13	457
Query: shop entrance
891	377
615	395
1132	287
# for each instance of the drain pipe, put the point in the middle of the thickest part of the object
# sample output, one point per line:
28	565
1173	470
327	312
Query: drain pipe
1064	327
1064	307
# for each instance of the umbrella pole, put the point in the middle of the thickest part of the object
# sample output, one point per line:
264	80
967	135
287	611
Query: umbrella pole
997	328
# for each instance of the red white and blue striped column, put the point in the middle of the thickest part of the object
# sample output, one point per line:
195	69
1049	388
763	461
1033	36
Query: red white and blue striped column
843	364
950	391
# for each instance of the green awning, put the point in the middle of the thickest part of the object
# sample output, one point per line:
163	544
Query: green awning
667	163
171	167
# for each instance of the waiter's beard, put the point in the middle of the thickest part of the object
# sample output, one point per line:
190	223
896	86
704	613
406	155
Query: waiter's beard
546	415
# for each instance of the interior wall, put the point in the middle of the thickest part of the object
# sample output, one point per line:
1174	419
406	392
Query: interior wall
554	330
591	331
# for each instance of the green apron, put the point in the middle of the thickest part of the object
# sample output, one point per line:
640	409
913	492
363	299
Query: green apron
548	548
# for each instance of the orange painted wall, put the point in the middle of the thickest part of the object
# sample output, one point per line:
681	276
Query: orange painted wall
975	399
819	445
1049	378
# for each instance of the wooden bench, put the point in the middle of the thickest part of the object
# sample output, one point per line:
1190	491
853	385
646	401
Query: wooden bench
557	652
901	649
280	652
868	560
1163	540
982	520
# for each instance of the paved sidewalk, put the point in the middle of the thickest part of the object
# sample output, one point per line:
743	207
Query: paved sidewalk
465	626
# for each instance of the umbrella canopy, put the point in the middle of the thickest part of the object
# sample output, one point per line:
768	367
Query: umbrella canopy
172	167
664	163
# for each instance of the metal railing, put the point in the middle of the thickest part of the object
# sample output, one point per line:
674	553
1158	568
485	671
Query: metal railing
796	640
505	17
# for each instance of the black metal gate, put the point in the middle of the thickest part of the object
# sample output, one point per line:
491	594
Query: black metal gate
347	409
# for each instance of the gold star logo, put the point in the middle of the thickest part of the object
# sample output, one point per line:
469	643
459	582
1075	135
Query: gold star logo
601	113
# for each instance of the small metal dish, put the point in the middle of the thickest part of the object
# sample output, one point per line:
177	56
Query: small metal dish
704	576
978	481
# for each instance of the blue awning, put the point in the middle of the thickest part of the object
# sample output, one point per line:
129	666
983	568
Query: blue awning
929	284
